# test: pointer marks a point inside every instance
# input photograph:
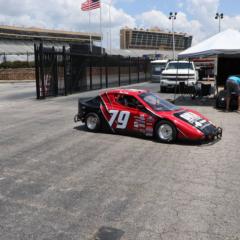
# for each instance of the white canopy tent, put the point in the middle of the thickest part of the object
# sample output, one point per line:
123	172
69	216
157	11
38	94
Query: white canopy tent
223	43
225	48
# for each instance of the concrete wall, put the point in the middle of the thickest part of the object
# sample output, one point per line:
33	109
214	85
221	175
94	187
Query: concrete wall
17	74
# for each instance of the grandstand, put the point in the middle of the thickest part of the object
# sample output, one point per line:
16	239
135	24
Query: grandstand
17	43
153	39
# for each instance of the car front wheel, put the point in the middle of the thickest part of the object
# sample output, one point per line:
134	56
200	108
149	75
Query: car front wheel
92	122
165	131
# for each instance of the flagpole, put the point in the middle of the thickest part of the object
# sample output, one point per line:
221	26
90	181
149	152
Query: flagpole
101	27
90	34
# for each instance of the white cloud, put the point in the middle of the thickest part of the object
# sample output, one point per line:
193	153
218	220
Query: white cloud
231	22
198	19
203	8
63	14
158	19
204	12
195	17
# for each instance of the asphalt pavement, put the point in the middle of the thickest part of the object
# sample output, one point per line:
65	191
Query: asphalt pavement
58	181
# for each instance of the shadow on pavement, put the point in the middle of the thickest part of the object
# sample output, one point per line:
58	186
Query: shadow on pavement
188	101
183	142
108	233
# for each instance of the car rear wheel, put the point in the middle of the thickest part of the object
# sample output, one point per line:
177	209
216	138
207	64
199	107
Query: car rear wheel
165	131
92	122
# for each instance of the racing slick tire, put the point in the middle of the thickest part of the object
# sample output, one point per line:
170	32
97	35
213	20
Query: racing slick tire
165	131
92	122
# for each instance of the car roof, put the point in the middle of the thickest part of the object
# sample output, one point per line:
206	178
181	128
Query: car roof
125	91
159	61
180	62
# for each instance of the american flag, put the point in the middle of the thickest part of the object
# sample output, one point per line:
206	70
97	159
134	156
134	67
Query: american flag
90	5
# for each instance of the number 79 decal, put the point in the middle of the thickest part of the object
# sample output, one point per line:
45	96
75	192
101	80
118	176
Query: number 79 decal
122	121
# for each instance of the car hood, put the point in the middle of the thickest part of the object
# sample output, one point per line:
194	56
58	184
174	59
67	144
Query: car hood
187	116
193	118
179	71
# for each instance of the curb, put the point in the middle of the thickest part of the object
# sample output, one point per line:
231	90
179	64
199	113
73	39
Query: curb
16	81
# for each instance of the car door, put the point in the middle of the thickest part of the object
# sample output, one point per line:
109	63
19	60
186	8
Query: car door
115	113
141	121
124	113
132	115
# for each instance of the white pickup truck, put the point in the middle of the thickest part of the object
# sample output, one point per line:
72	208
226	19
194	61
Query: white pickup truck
176	72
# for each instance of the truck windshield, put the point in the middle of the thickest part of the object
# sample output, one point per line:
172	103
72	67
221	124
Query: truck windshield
179	65
157	103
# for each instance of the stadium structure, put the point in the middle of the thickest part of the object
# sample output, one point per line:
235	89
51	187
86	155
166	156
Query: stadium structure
17	42
153	39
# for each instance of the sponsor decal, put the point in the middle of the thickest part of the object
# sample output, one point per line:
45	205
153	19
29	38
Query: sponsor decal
135	124
141	125
150	119
149	131
194	120
140	120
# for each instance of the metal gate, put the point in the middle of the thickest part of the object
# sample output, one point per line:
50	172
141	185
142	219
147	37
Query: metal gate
63	72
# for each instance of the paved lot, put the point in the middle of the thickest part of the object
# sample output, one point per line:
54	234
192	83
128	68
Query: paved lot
61	182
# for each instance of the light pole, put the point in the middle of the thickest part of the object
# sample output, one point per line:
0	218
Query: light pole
110	27
219	17
173	16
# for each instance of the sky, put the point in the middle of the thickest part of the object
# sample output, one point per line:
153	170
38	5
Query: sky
195	17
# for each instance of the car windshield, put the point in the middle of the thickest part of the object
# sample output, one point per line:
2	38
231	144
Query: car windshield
179	65
157	103
158	67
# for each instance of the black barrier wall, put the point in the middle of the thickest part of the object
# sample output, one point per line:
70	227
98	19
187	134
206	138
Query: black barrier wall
64	72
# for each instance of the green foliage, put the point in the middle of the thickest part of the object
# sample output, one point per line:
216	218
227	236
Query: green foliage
17	64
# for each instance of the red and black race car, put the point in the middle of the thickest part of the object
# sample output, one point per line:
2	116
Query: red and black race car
141	111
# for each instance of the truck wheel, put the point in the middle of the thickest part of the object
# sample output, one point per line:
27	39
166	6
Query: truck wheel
92	122
165	131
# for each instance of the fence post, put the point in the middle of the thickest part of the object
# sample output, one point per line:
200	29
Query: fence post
28	58
145	69
65	71
42	71
106	70
36	53
4	57
119	70
138	69
101	73
55	71
129	70
90	71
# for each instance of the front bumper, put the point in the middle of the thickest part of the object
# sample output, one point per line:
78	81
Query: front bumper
213	134
173	83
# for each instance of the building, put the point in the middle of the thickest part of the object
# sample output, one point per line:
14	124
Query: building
18	42
153	39
146	53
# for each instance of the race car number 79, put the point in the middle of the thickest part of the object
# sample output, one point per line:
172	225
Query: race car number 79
122	121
